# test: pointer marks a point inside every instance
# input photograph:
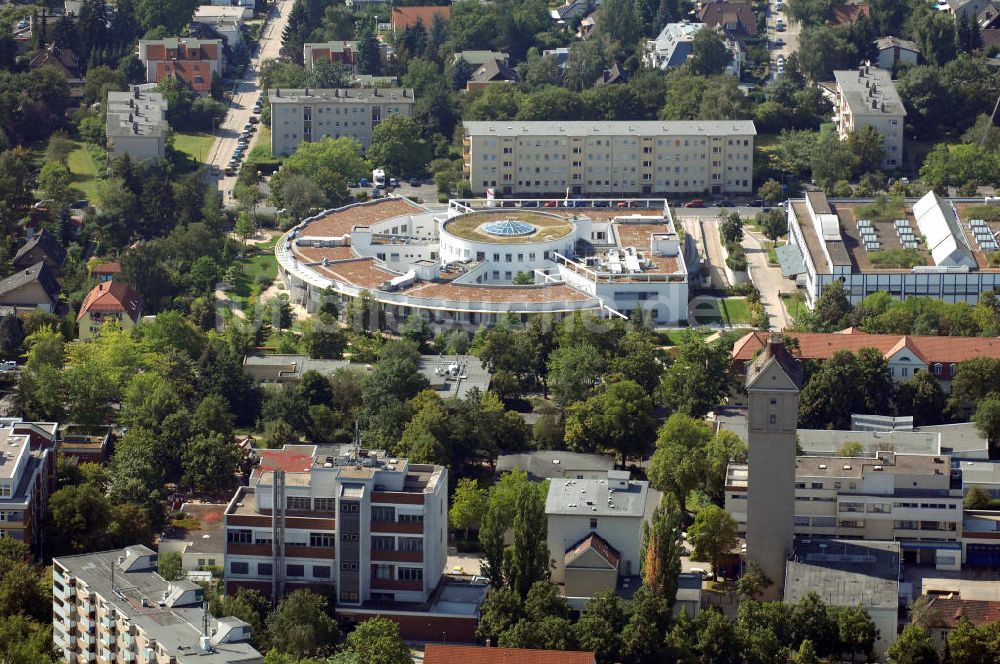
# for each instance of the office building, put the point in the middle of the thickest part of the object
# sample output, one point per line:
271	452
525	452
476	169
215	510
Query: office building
191	61
310	115
27	479
137	124
112	607
373	527
595	532
867	97
457	267
773	383
940	248
913	499
624	158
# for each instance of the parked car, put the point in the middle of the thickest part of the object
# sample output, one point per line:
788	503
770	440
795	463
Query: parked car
725	202
695	203
757	202
529	204
364	182
79	205
393	182
551	204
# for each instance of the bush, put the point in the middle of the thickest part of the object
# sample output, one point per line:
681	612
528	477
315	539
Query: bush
898	258
737	260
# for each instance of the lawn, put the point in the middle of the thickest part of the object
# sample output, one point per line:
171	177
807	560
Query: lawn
772	254
196	146
729	310
794	303
260	269
84	170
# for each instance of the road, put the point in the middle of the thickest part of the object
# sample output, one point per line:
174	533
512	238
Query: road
767	279
790	36
246	92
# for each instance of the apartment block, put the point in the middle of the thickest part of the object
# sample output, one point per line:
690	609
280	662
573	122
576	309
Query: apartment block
343	53
112	607
910	498
136	124
609	158
307	115
373	527
867	97
27	478
191	61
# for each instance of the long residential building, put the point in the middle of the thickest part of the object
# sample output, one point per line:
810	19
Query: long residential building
930	247
906	355
310	114
112	607
137	124
27	478
373	527
867	97
467	266
913	499
594	158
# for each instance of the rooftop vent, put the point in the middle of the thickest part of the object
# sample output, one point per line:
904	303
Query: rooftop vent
847	466
822	466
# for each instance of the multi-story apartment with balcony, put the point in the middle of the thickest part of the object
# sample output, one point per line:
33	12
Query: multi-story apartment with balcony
867	97
112	607
136	124
609	158
311	114
191	61
911	498
373	527
27	478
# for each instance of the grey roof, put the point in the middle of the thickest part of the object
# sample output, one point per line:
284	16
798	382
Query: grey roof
961	440
480	57
819	442
341	95
856	86
137	112
546	464
46	242
980	472
844	573
791	260
893	42
611	128
595	498
37	272
176	629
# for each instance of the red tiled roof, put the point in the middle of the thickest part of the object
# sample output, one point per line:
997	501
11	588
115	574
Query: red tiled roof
730	13
819	346
442	654
404	17
848	14
112	297
111	267
946	612
595	542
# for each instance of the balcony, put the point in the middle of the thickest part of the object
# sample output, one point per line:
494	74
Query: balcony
397	527
397	556
396	584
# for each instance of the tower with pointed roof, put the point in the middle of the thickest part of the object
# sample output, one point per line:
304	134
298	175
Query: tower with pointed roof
773	383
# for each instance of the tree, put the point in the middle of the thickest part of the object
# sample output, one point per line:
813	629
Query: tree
78	519
832	308
529	553
958	165
301	627
24	640
823	50
245	226
377	641
724	448
912	647
709	55
977	498
987	418
698	379
328	164
857	631
278	433
851	448
678	465
867	144
11	336
211	462
771	192
369	55
974	380
599	627
323	337
662	548
572	372
832	161
501	610
731	229
170	566
713	535
54	187
620	418
773	223
468	505
398	146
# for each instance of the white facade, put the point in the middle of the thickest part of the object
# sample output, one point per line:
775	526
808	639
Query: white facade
867	97
136	124
609	158
309	115
675	45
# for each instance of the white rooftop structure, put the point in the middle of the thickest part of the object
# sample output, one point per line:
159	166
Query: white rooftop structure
939	224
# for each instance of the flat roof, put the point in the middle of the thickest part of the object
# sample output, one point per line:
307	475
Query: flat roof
596	498
844	572
209	536
889	463
476	226
596	129
176	629
553	463
12	446
340	95
980	472
866	85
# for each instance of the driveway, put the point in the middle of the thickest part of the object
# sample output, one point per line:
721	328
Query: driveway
767	279
246	92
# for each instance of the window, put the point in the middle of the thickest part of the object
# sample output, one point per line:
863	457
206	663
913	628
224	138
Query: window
239	568
411	518
351	506
295	570
265	569
383	543
349	567
349	597
380	513
325	504
411	544
411	574
299	503
239	536
348	537
593	524
817	485
322	539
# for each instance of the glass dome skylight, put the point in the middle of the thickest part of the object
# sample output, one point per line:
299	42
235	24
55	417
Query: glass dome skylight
509	228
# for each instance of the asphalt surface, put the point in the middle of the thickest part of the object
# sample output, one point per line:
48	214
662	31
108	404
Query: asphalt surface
790	36
246	92
768	280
